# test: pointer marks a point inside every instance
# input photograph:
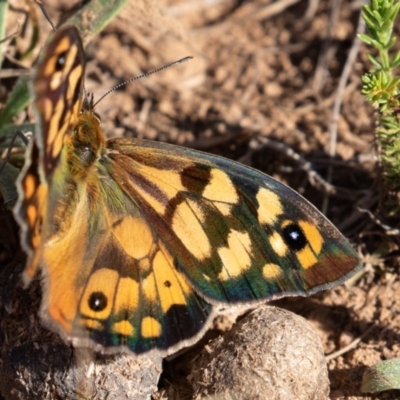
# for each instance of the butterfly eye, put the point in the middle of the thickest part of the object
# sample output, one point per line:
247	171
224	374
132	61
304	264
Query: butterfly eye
294	237
87	155
97	301
86	152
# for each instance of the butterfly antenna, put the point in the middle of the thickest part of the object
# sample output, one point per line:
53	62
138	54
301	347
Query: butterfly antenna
182	60
46	15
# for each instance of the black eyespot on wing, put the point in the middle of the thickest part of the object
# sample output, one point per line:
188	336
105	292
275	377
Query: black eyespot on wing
60	61
97	301
294	237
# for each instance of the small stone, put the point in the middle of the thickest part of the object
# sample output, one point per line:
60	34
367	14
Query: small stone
270	354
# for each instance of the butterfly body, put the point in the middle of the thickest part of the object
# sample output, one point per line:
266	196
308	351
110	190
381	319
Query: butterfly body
140	242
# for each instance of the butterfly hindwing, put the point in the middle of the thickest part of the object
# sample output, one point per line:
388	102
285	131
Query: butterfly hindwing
129	292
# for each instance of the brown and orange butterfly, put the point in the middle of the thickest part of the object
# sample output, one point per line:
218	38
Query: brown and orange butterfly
139	242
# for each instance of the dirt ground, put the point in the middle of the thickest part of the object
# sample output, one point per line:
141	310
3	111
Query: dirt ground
275	85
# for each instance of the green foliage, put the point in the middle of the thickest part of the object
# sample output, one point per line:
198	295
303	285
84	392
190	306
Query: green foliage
382	376
381	86
3	13
17	101
104	10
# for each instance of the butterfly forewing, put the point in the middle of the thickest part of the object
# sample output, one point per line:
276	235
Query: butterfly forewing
58	91
237	234
141	242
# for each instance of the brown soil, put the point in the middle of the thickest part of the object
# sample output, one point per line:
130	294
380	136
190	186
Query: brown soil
261	89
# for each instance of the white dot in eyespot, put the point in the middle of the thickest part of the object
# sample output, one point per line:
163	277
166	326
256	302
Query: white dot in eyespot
294	235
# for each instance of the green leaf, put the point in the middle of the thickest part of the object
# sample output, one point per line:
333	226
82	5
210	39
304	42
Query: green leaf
8	177
18	99
382	376
374	61
104	10
365	38
3	19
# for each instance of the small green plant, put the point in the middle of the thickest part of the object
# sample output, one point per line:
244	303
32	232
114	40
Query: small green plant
381	87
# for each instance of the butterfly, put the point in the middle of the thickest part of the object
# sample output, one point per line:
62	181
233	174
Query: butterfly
140	243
